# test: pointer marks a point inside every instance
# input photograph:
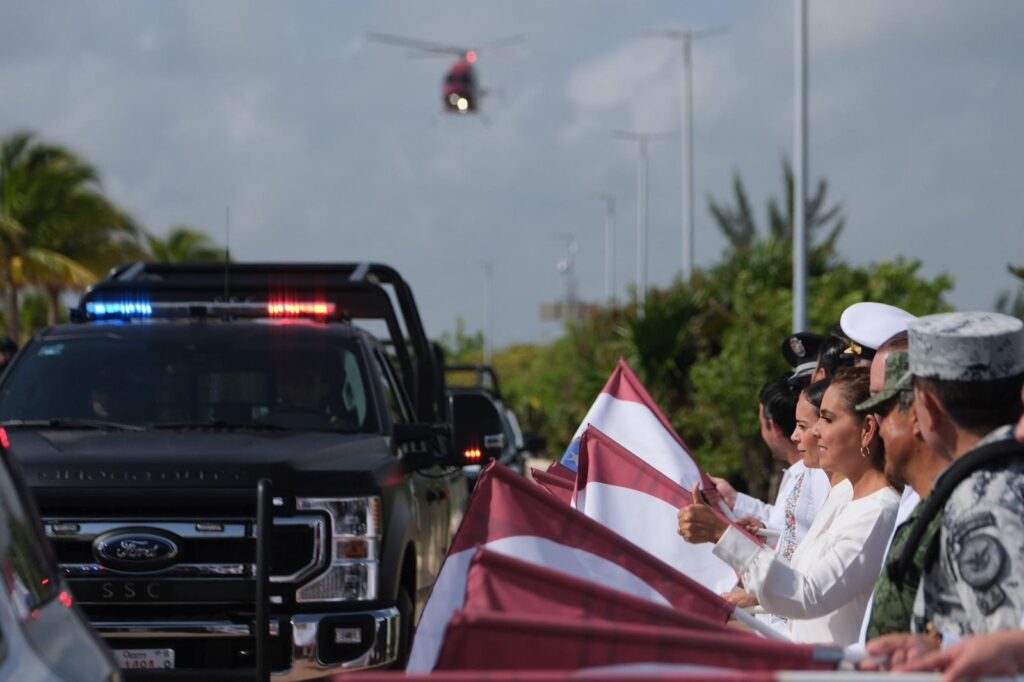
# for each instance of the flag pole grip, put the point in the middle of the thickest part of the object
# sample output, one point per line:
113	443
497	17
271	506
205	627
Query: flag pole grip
760	627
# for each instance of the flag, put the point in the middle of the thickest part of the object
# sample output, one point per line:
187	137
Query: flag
556	485
625	411
640	503
486	640
510	515
558	469
502	583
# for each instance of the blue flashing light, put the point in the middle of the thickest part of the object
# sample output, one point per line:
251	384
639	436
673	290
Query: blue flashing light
119	309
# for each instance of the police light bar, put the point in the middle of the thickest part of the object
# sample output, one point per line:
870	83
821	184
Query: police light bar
135	309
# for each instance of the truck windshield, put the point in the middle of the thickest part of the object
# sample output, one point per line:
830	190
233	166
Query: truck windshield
216	376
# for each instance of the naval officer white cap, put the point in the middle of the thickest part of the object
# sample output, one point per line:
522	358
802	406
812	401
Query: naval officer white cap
871	324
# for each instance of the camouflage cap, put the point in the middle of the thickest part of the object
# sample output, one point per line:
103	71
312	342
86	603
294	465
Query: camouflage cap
897	378
968	346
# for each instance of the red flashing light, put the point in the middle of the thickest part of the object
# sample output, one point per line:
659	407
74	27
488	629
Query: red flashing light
45	582
471	56
4	440
300	308
473	455
66	599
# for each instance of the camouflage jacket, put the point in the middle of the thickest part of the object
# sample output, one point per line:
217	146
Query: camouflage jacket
893	605
974	583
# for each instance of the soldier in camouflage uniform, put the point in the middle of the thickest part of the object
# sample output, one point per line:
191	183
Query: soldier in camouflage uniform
968	369
908	462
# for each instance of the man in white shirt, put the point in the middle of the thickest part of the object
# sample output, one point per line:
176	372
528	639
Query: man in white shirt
802	491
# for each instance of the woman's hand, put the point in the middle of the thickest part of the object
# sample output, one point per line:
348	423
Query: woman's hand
741	598
725	489
697	523
750	524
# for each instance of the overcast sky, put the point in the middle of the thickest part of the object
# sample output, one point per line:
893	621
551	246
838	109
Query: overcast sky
327	147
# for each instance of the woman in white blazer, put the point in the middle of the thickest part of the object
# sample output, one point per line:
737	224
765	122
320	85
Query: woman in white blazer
825	587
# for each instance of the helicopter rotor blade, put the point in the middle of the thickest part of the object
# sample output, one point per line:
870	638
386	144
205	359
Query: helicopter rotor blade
415	43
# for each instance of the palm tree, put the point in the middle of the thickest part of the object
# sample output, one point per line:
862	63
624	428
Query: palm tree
737	222
55	222
1012	303
184	245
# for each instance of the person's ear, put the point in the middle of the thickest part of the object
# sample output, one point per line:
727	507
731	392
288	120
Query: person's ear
928	410
915	425
869	430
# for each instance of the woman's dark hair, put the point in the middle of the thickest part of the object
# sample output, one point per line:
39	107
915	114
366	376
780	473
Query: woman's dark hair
778	399
854	384
832	355
816	391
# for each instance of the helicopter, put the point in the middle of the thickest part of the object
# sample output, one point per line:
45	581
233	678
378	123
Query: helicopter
461	91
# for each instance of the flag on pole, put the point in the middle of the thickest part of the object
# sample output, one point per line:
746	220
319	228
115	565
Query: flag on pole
558	469
510	515
486	640
640	503
626	411
556	485
498	582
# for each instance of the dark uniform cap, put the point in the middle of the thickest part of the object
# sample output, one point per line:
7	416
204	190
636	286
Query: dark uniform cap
969	346
801	348
897	378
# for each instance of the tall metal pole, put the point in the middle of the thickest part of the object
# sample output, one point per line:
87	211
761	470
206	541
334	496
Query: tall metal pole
609	243
686	36
609	248
488	331
641	221
800	171
642	140
687	107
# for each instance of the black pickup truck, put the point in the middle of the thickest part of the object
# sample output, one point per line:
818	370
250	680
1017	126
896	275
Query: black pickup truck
244	473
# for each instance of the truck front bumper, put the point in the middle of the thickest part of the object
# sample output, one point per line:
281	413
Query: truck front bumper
321	644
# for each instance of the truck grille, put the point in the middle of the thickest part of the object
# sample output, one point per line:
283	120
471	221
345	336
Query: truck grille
180	561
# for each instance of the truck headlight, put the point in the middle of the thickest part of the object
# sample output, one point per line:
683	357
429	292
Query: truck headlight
355	559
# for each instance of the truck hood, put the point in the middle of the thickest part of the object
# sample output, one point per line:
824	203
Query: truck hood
200	459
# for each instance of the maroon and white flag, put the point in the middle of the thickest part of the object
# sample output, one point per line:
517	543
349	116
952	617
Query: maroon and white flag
486	640
558	486
627	494
626	411
510	515
498	582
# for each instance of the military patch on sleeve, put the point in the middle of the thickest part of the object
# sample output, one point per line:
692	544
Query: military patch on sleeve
981	560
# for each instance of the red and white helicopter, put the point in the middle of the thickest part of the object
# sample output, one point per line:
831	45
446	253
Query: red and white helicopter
461	91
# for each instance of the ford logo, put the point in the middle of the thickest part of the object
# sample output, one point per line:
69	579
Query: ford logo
135	549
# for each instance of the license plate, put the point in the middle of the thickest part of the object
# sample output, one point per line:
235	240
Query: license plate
144	659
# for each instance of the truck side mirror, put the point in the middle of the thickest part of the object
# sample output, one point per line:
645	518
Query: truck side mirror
478	433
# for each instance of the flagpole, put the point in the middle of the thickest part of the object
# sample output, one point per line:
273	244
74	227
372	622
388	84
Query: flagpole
758	626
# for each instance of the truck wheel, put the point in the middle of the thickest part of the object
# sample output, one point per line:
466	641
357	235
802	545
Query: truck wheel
406	630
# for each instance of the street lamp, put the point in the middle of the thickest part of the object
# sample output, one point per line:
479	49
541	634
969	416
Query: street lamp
609	242
686	36
642	140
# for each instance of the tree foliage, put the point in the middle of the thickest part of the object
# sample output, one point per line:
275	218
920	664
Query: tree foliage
705	347
59	232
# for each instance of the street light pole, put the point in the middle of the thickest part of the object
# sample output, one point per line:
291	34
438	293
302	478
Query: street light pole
609	243
642	140
686	38
488	332
800	170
